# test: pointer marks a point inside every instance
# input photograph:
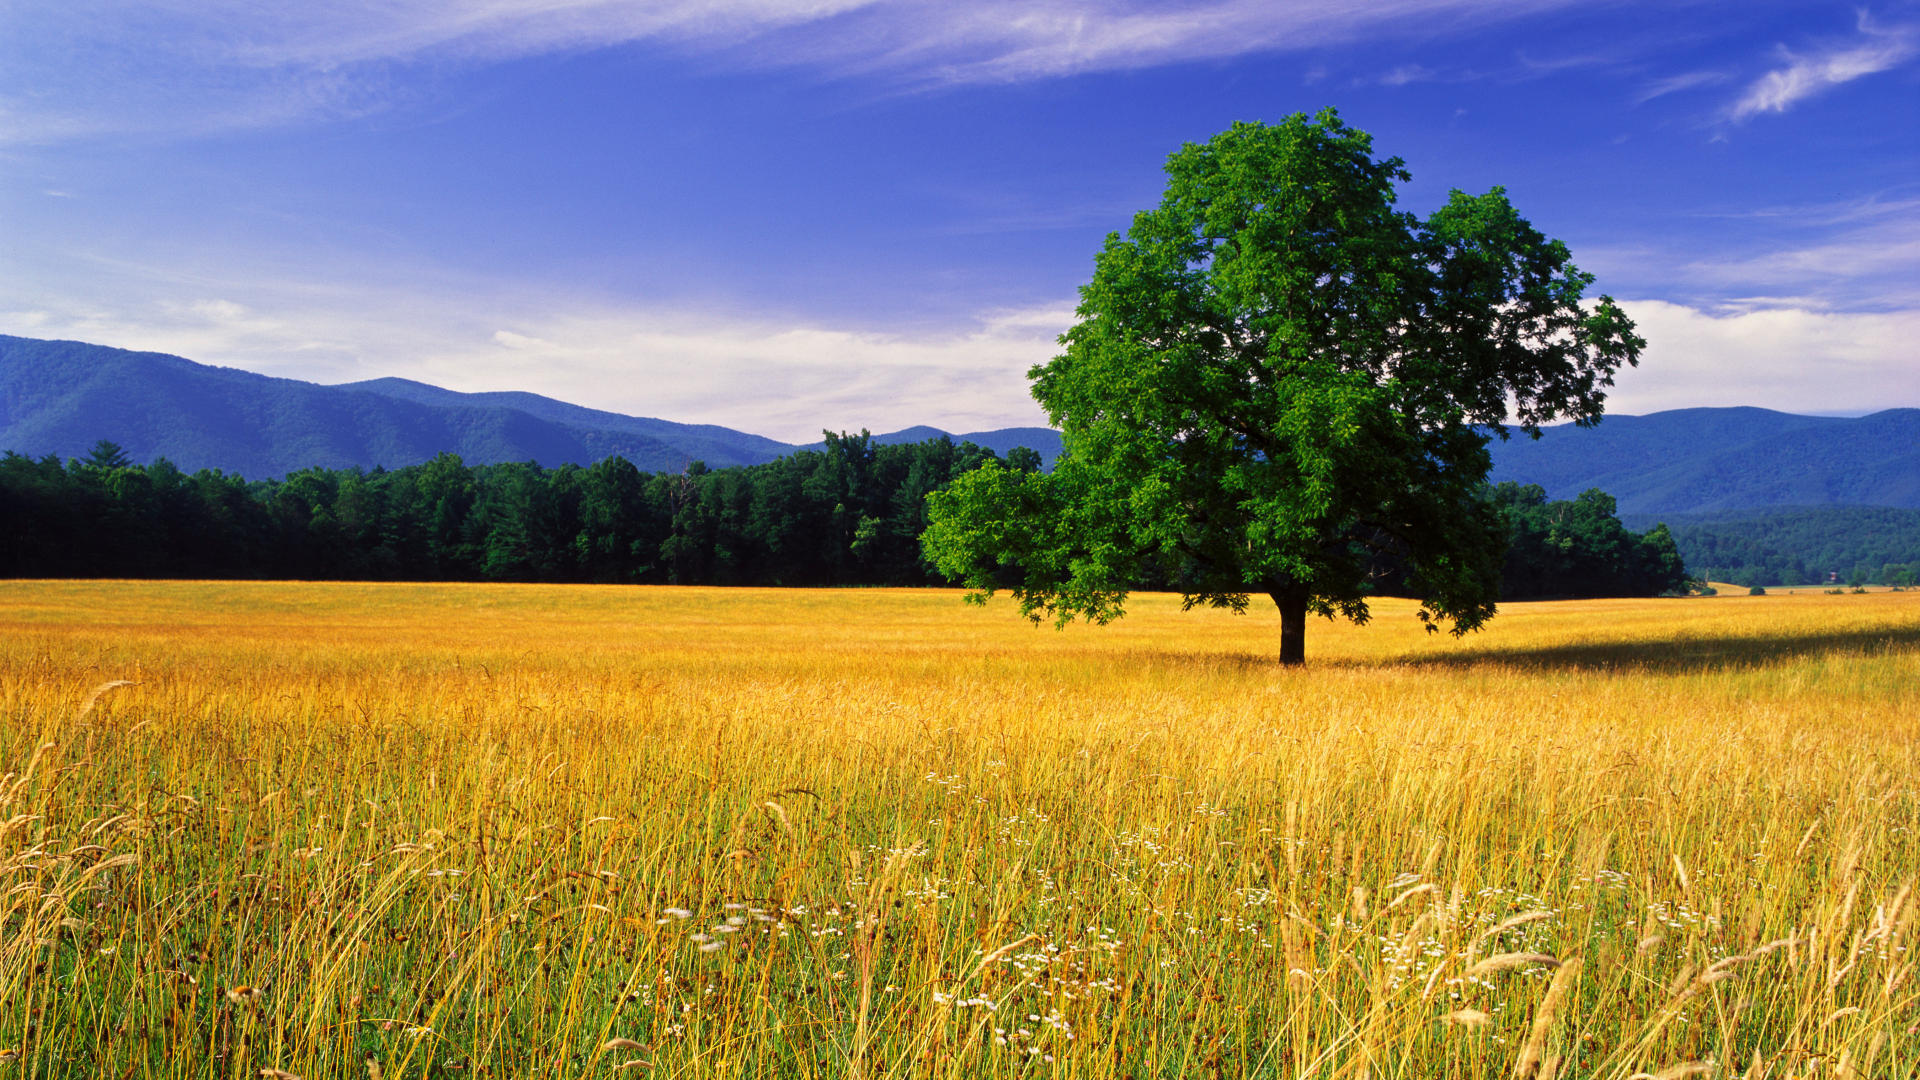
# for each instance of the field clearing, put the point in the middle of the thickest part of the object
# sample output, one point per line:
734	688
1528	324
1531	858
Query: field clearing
383	831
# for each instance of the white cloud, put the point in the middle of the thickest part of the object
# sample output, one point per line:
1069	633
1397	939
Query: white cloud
1805	76
511	340
1789	358
94	67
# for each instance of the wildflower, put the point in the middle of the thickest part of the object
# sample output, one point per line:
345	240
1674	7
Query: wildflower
244	994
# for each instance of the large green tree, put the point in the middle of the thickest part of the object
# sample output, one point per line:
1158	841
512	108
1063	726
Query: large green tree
1280	383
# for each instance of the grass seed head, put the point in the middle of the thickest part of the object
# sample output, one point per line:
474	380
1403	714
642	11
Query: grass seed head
1508	961
1543	1018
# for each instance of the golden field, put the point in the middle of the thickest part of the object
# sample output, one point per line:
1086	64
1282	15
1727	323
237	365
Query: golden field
383	831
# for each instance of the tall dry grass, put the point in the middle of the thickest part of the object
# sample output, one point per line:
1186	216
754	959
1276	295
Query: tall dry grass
401	831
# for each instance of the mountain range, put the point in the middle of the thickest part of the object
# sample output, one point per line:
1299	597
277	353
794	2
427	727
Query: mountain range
1698	461
60	397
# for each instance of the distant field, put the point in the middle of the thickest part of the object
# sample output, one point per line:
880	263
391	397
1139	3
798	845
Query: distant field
381	831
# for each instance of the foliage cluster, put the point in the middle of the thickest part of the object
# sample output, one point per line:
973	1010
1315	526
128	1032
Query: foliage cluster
487	831
1579	548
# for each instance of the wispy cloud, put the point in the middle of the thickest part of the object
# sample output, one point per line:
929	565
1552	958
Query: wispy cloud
1674	84
1807	75
1860	254
94	67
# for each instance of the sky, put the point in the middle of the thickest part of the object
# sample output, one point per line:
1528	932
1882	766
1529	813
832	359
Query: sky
792	215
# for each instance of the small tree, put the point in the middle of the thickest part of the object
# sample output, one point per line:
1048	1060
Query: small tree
105	456
1279	383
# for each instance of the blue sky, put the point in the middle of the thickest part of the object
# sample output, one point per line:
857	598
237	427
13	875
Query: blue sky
783	216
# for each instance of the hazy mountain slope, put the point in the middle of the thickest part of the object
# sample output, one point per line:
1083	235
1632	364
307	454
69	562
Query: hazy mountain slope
715	445
1701	460
59	397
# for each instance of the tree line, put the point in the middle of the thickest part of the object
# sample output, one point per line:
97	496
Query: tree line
1824	545
849	514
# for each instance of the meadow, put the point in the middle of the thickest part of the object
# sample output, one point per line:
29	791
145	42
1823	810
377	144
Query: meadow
385	831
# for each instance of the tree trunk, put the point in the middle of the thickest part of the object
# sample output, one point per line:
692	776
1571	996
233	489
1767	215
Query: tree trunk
1293	626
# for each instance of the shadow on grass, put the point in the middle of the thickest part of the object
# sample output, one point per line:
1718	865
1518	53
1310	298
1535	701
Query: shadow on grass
1681	655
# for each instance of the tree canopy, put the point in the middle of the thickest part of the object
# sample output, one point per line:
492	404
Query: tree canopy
1280	383
1579	547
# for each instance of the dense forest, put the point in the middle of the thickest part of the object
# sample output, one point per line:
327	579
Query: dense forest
848	514
1804	545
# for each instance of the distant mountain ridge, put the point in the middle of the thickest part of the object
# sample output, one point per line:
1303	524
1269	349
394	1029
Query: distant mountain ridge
59	397
710	443
1697	461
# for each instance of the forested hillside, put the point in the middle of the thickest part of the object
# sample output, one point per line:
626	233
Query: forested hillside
1803	545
